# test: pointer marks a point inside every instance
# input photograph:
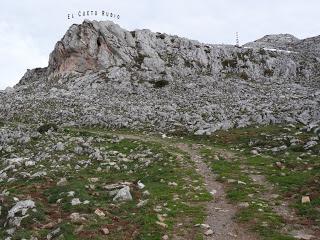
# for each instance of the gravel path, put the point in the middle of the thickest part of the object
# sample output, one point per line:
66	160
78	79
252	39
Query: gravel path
219	213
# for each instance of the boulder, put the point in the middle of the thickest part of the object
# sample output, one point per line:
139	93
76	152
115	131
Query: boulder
123	195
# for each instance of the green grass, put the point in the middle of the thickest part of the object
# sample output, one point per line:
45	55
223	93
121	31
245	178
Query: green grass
122	219
293	180
299	176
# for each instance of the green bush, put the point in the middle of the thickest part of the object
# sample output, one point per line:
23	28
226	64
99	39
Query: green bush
243	75
262	51
268	72
229	63
139	59
160	83
46	127
161	36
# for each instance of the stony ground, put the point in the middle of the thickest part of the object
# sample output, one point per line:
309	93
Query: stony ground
90	183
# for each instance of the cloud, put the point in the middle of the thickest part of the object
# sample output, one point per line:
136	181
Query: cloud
18	52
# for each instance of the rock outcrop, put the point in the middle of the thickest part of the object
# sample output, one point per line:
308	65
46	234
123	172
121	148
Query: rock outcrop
101	74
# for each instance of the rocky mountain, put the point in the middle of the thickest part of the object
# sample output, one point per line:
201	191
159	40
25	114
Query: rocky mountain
309	45
101	74
288	42
275	41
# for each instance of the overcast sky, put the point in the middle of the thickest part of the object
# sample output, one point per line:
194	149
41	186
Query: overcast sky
30	28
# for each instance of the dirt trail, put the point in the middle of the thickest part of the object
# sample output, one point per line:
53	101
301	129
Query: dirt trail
220	213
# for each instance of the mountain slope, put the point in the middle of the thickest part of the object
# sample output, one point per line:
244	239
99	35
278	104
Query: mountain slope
101	74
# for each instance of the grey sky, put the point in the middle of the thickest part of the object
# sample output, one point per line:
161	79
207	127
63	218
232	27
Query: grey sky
30	28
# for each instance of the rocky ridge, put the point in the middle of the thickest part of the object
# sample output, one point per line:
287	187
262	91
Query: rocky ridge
101	74
276	41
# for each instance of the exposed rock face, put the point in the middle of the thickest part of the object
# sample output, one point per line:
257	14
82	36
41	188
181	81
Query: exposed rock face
91	46
102	74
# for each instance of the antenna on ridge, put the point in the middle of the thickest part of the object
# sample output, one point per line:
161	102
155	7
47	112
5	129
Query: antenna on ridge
237	39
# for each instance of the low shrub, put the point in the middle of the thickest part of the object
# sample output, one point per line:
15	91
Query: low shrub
46	127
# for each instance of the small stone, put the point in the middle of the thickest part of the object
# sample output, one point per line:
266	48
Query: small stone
71	194
48	225
53	234
172	184
59	146
38	174
93	180
213	192
75	201
209	232
165	237
142	203
244	205
79	229
146	193
62	182
161	218
162	224
305	199
11	231
99	212
141	185
76	217
232	235
158	209
254	152
105	231
241	182
204	226
29	163
310	144
231	181
123	195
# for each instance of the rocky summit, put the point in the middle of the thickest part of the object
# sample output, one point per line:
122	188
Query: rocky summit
101	74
